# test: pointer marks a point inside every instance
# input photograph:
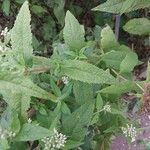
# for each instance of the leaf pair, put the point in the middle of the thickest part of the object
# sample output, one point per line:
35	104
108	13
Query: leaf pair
119	57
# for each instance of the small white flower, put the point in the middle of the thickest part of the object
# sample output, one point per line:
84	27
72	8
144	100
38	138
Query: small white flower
29	120
65	80
56	141
11	134
107	108
4	32
130	131
5	134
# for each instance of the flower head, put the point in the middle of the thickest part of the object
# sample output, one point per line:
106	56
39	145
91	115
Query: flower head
29	120
56	141
130	131
65	80
5	134
4	32
107	108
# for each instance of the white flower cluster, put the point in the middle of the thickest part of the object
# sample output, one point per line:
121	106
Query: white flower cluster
65	80
107	108
54	142
130	131
4	32
4	134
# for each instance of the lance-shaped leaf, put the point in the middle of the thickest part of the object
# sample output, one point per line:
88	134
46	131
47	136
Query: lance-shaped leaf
75	125
83	92
20	102
122	6
129	62
108	39
139	26
120	88
26	86
73	33
85	72
30	132
21	36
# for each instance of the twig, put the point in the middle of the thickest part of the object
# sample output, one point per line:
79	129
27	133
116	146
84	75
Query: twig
117	26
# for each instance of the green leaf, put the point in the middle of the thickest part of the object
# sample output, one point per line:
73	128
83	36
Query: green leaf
20	102
59	11
6	7
54	87
115	111
113	59
119	88
99	102
37	9
65	109
20	1
122	6
108	39
83	92
140	26
114	6
148	72
24	85
71	144
55	116
30	132
76	124
85	72
4	145
73	33
21	36
129	62
10	120
42	62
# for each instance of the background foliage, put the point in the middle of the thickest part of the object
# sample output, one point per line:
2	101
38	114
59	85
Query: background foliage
71	73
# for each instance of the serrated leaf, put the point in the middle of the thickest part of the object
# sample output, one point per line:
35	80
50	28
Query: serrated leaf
10	120
129	62
108	39
24	85
73	33
113	59
18	102
122	6
76	124
140	26
83	92
30	132
21	36
120	88
85	72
